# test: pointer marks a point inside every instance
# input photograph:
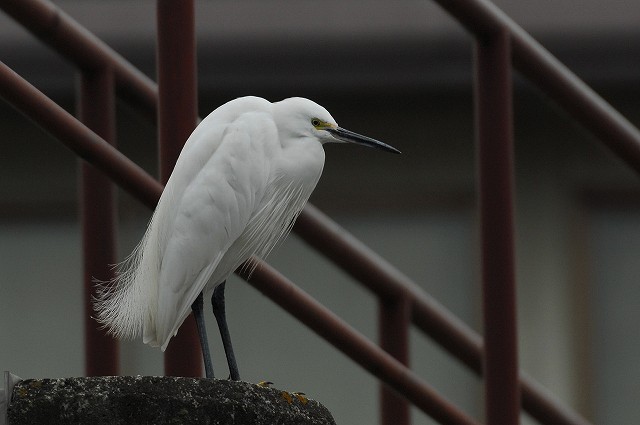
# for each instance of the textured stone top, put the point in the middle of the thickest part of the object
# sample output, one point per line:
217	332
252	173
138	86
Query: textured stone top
159	400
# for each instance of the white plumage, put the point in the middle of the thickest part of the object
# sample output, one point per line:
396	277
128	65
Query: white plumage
243	176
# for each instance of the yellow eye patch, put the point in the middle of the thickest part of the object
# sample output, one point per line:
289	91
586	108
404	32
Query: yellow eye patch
320	124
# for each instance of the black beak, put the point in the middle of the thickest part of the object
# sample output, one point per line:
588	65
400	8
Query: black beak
347	136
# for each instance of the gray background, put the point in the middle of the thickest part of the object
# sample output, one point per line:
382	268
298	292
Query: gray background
401	72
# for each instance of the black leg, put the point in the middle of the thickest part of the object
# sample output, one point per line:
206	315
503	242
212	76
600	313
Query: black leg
217	301
202	332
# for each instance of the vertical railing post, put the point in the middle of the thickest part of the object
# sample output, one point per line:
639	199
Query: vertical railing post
177	117
393	323
96	109
496	175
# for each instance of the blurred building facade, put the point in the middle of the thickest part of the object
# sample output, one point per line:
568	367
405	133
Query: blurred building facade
401	72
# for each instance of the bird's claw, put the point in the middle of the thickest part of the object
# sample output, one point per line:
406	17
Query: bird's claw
302	397
265	384
287	397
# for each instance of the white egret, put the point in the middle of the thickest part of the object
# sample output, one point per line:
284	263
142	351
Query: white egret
242	178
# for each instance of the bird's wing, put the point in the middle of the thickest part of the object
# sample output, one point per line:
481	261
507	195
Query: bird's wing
207	137
213	211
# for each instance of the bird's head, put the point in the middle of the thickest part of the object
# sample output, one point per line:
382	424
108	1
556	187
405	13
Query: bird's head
302	117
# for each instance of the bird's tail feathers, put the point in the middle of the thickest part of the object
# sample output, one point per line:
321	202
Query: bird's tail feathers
122	304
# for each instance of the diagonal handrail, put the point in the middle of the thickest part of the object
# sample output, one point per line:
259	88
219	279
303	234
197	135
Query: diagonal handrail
356	346
432	318
92	148
67	37
478	16
343	249
545	71
78	137
63	34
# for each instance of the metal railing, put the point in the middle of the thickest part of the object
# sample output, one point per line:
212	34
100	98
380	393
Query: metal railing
499	42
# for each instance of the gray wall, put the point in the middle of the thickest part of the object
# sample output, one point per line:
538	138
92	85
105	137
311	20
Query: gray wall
401	73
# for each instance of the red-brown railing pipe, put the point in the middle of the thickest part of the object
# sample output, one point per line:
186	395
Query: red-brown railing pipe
51	117
96	106
494	135
177	117
331	239
339	246
74	42
63	34
394	320
482	17
455	336
59	123
578	99
91	147
387	282
364	352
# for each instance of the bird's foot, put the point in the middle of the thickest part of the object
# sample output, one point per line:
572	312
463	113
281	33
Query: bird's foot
302	397
289	397
265	384
286	395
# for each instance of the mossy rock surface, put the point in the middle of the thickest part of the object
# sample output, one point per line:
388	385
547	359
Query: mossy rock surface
158	400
